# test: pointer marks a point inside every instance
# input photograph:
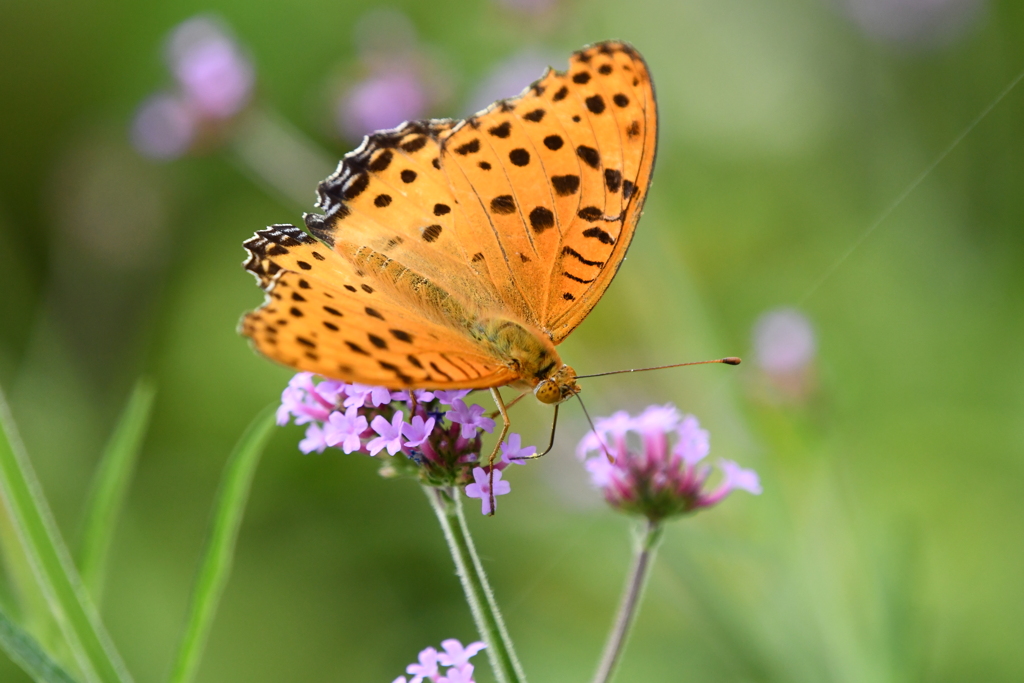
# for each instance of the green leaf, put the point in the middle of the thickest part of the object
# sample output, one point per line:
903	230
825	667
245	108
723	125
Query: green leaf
110	487
27	653
51	563
220	545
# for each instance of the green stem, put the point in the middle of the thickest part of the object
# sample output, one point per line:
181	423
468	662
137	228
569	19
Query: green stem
630	605
448	508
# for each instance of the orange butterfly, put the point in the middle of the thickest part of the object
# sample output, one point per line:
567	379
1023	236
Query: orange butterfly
458	253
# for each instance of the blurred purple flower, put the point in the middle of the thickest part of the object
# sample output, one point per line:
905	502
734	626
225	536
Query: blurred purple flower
784	349
508	77
429	664
381	101
214	75
914	22
458	674
314	440
214	83
425	667
783	341
164	127
456	655
483	486
655	480
528	6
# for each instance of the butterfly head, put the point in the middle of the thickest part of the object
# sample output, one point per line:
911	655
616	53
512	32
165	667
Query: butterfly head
558	387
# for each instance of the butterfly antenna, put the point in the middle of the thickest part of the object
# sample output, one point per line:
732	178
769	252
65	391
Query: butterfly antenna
594	429
731	360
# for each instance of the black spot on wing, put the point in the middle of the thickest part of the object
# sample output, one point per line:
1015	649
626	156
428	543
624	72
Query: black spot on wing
470	147
519	157
612	179
595	103
541	219
599	234
382	161
503	204
565	185
589	155
501	131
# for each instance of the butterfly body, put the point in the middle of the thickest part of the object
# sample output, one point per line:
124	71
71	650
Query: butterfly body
459	254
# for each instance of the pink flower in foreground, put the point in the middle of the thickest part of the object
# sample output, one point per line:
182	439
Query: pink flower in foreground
658	479
514	453
440	448
429	664
471	417
345	429
456	655
390	434
482	488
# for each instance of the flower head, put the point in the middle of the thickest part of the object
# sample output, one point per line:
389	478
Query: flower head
455	658
662	477
441	448
214	82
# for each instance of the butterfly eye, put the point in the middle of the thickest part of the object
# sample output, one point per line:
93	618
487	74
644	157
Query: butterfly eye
548	392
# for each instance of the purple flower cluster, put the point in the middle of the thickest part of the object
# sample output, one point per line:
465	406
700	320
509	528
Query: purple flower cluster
214	82
437	432
663	477
453	656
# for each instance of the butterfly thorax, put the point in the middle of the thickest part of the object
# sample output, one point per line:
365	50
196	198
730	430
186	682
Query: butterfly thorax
532	356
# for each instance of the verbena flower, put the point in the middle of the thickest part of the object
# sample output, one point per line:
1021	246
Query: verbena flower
656	469
455	659
214	82
432	435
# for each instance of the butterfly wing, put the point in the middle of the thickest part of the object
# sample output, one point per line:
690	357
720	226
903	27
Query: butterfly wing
561	173
323	315
524	211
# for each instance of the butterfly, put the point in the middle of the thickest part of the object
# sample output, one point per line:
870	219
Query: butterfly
457	254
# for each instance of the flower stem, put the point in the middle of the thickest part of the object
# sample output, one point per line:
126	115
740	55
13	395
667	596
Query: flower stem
448	508
628	608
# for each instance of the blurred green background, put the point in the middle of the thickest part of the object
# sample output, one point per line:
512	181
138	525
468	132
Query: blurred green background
888	544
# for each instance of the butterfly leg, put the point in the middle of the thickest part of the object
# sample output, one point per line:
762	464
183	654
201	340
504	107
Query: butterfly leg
551	441
506	423
508	405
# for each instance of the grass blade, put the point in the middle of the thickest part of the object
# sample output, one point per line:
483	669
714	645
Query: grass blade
229	508
27	653
110	487
51	563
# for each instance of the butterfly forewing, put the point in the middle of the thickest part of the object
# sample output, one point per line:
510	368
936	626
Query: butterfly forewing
560	173
614	90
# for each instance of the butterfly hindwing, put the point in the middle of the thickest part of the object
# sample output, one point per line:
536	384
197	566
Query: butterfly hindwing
323	317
